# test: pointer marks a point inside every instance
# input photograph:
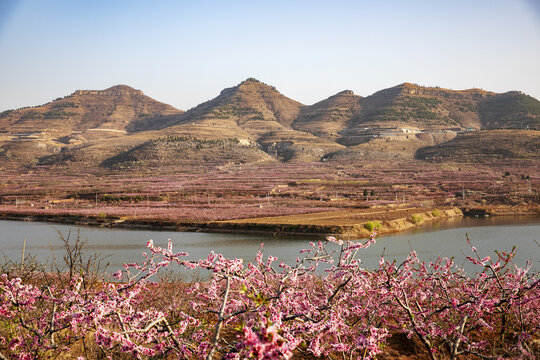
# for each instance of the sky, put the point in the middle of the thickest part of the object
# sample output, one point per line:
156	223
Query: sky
185	52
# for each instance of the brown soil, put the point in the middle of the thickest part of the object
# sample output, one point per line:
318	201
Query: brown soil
351	222
348	223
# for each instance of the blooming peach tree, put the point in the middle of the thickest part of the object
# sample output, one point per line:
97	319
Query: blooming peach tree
325	305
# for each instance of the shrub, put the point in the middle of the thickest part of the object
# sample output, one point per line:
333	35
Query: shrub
58	114
102	216
108	198
416	218
436	213
371	225
6	113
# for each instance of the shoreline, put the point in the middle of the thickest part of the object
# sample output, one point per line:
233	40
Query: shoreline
280	226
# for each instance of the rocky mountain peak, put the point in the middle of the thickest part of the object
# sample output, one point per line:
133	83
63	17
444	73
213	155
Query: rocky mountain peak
251	80
117	90
345	93
254	84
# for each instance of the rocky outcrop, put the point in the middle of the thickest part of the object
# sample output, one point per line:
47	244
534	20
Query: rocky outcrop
118	90
413	89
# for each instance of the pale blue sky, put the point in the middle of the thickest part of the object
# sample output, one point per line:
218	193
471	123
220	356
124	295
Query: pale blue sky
186	52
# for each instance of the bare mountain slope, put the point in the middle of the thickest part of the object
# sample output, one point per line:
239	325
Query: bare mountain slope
119	108
251	107
252	113
81	119
423	107
328	117
253	122
511	110
180	151
486	145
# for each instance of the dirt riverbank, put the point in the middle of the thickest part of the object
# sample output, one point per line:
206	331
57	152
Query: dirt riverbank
350	223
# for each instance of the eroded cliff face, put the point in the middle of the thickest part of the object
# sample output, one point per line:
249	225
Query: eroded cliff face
413	89
118	90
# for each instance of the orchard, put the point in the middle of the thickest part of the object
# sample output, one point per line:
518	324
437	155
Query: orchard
325	305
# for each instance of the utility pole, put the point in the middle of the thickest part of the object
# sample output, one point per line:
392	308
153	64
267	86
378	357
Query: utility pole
22	255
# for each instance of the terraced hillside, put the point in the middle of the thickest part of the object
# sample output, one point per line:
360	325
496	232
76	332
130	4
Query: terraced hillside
486	145
253	120
120	127
97	120
330	116
119	108
511	110
182	151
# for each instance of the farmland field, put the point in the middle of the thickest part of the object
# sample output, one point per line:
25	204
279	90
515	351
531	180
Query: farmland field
326	197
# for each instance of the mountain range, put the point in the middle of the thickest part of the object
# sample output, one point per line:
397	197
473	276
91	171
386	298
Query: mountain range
120	127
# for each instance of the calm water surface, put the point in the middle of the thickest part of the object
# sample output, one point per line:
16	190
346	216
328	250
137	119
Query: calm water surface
445	238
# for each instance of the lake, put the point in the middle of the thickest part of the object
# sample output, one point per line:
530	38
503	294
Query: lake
446	238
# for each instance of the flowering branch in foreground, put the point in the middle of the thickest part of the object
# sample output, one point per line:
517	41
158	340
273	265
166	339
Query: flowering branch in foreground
324	305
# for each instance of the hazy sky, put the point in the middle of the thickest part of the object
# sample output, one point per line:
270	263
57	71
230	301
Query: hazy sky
186	52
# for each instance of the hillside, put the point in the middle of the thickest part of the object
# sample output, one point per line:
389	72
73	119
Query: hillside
83	119
119	108
394	123
251	107
437	108
179	151
253	122
486	145
330	116
253	118
412	106
511	110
